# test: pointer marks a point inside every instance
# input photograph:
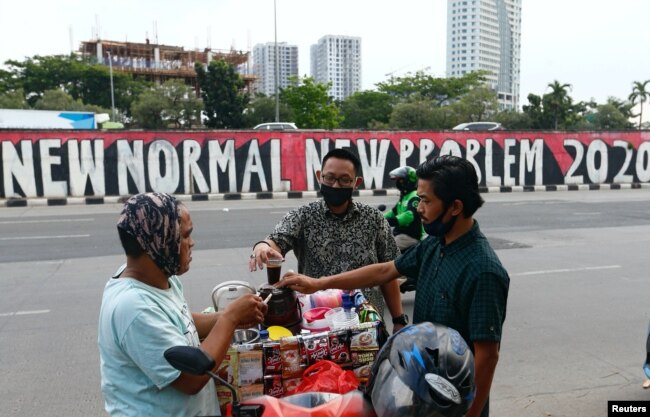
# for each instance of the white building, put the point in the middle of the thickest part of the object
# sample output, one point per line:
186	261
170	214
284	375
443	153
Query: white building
337	59
264	66
486	35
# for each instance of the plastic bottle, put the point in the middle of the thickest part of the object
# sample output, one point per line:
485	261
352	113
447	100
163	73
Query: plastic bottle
348	317
264	336
348	304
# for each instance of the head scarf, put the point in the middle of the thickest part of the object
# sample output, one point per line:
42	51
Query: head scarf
153	219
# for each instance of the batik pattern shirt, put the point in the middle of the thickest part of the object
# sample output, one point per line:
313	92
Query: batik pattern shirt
327	244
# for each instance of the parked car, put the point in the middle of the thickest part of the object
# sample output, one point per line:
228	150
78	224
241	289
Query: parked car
276	126
479	126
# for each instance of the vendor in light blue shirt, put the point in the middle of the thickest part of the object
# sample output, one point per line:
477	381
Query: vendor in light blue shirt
144	313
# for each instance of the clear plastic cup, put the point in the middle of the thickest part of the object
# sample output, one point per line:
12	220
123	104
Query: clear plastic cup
329	316
273	269
345	319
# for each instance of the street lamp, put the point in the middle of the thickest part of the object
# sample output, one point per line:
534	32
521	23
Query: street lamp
277	64
110	71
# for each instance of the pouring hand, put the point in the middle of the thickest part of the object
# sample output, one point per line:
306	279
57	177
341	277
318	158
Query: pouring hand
260	256
298	282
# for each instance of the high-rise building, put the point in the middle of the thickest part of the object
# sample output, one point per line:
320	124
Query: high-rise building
264	66
337	59
486	35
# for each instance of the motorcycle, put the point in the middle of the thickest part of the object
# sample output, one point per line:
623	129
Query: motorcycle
195	361
408	284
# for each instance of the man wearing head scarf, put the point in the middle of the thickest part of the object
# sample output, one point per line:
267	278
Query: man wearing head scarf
144	313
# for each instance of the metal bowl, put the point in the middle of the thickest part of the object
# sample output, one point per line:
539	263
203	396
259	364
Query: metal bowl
245	336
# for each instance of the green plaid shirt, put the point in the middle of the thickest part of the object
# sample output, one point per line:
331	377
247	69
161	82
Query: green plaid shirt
462	285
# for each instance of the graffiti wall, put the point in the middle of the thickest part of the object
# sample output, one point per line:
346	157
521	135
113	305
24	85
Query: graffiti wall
97	163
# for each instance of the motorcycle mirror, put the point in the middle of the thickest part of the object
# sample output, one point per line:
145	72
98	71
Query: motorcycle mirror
189	359
381	207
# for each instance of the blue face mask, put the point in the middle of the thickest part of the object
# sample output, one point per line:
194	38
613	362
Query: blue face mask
438	228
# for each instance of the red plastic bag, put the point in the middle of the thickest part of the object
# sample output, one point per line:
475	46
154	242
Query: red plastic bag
326	376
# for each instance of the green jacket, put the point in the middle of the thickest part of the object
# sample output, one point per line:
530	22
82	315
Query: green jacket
408	220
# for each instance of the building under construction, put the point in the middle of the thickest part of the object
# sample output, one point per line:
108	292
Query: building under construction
159	63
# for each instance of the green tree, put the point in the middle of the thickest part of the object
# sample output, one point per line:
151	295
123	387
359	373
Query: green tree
414	115
641	94
311	106
223	98
557	102
261	109
608	117
182	108
555	109
82	78
147	110
172	102
60	100
623	106
574	117
13	100
57	99
93	86
478	104
613	115
422	86
535	112
8	82
365	109
514	120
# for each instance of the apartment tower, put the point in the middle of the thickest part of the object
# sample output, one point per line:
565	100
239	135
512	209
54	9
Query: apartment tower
486	35
337	59
264	66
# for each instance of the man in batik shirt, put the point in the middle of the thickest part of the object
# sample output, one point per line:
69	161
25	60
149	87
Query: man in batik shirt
336	234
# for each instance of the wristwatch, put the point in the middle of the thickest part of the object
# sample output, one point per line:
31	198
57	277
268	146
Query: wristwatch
403	320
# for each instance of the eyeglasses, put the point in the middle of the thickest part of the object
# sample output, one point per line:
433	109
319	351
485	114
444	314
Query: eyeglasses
343	181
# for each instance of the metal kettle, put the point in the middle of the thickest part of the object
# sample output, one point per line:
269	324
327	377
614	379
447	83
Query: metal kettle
228	291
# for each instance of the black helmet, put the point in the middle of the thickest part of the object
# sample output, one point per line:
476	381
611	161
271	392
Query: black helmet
424	370
405	178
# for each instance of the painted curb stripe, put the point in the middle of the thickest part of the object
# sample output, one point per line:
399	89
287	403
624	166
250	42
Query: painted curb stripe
268	195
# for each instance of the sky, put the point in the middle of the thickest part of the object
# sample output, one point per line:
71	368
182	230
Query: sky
599	47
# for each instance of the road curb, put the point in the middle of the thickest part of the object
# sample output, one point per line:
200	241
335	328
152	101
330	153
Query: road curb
267	195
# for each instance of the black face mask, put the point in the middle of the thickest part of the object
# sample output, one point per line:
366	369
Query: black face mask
335	197
438	228
405	186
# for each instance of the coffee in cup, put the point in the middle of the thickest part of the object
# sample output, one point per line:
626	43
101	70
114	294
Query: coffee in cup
273	269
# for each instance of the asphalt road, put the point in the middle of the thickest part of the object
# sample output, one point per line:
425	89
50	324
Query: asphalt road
574	335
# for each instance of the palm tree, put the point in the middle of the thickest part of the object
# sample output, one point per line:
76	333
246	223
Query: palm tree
558	99
640	93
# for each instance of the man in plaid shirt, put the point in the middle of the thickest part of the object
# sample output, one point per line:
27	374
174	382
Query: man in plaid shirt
460	281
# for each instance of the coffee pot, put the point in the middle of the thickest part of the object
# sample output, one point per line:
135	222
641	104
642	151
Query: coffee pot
283	308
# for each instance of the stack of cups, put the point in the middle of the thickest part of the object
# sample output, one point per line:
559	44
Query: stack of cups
329	315
342	319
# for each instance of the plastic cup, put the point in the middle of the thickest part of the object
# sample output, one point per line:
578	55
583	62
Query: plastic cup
329	316
347	322
344	319
273	270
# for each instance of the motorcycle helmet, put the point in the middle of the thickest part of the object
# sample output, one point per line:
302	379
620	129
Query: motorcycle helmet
405	178
423	370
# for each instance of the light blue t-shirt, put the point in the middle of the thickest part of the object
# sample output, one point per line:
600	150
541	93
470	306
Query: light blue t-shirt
137	323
